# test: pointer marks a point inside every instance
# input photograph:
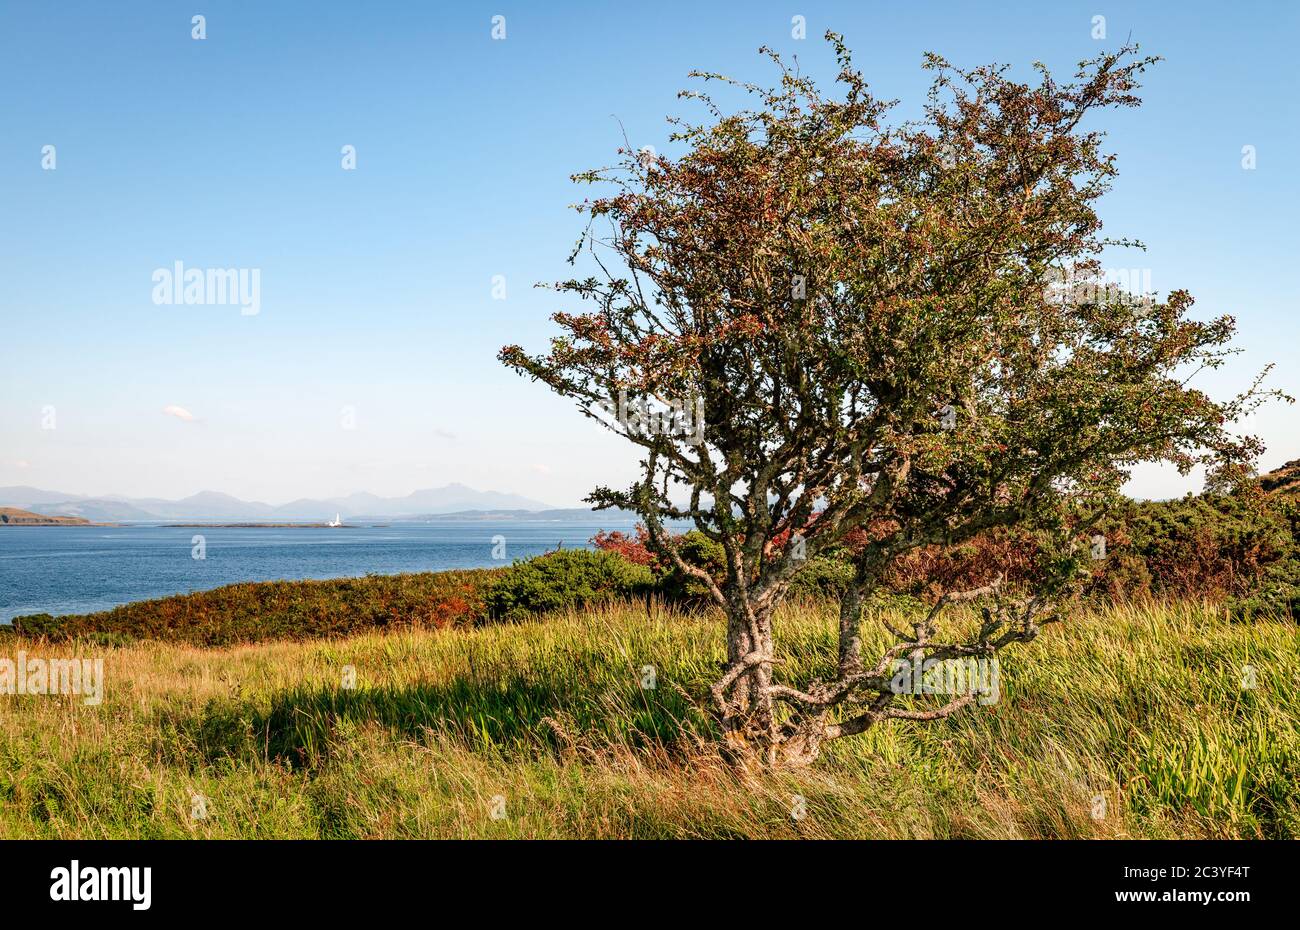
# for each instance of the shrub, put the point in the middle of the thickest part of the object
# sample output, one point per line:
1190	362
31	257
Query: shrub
35	625
636	549
1211	545
1277	595
696	550
823	576
1243	548
258	611
563	579
694	547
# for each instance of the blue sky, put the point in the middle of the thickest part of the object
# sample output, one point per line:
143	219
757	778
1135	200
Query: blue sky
376	283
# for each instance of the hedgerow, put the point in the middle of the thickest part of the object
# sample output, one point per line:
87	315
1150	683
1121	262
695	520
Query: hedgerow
1241	550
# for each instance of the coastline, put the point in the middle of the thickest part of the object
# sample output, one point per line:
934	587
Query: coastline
53	523
76	572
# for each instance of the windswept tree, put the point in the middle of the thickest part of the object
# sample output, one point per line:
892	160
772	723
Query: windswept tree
819	323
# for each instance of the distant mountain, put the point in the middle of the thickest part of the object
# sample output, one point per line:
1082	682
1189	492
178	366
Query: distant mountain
98	510
24	497
448	499
207	505
218	507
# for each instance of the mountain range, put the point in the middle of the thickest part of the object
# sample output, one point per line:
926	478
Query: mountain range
213	505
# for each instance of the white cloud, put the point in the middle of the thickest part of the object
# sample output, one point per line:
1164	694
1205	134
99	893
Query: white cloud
179	413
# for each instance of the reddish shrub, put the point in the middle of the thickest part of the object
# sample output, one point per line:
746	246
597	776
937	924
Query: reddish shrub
635	549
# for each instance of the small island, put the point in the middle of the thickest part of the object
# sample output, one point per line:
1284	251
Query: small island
12	516
256	526
332	524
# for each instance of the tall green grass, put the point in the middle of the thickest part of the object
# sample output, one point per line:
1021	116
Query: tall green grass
548	724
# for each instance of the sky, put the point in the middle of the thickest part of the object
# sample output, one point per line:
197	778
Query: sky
385	290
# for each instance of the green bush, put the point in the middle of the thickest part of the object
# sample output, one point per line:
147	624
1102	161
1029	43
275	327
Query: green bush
36	625
1209	545
823	576
563	579
696	550
1277	596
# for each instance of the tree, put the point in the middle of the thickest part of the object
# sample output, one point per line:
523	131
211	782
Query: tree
820	324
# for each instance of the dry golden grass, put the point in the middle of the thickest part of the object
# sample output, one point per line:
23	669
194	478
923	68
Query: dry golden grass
547	724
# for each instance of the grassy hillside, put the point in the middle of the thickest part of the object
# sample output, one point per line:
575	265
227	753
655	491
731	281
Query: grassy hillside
274	610
1141	705
1283	480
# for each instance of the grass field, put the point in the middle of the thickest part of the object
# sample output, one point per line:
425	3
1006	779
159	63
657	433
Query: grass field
543	729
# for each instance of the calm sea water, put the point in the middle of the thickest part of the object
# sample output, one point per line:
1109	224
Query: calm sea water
80	569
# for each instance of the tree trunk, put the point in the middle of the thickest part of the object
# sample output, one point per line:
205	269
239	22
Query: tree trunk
738	646
749	721
850	631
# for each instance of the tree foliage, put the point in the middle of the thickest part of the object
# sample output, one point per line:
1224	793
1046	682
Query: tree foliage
890	328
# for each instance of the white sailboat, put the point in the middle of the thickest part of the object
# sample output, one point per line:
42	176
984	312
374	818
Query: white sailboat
335	522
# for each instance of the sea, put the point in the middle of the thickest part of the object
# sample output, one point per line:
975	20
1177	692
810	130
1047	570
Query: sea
81	569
